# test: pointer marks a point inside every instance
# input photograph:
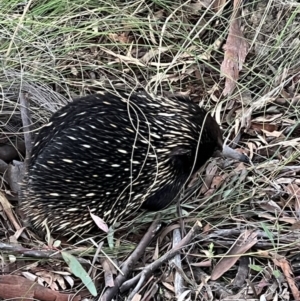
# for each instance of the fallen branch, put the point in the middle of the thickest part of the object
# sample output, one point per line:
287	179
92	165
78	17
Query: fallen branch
178	279
17	249
141	277
131	260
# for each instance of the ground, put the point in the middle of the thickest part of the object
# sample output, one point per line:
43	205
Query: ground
241	61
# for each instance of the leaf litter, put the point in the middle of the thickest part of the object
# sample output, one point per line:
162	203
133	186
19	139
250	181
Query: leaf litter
248	246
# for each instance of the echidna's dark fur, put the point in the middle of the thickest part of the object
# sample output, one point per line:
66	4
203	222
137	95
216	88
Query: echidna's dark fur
110	153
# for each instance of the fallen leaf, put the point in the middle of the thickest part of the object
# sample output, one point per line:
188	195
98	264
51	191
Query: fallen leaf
295	226
294	190
205	263
108	273
289	220
79	272
99	222
120	38
236	49
29	276
210	172
17	287
137	297
70	280
267	119
264	126
243	243
152	53
218	6
287	271
272	134
168	286
48	277
7	208
270	206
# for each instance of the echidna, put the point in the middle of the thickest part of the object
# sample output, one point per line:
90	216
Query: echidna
111	153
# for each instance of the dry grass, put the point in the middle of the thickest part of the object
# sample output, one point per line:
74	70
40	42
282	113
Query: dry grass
55	50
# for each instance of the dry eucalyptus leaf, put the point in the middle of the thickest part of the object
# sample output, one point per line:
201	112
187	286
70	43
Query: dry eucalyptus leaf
243	243
287	271
236	49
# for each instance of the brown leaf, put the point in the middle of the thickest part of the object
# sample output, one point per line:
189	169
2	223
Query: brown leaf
167	230
236	49
264	126
137	297
287	271
49	278
205	263
108	273
295	226
288	220
243	243
267	118
207	228
210	172
294	190
12	287
218	5
270	206
272	134
217	181
120	38
168	286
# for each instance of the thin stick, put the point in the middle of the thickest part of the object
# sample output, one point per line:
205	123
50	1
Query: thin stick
26	127
178	280
131	260
141	277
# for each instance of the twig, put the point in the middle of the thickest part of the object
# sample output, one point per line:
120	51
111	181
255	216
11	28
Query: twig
26	126
178	281
24	252
7	208
141	277
95	257
131	260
